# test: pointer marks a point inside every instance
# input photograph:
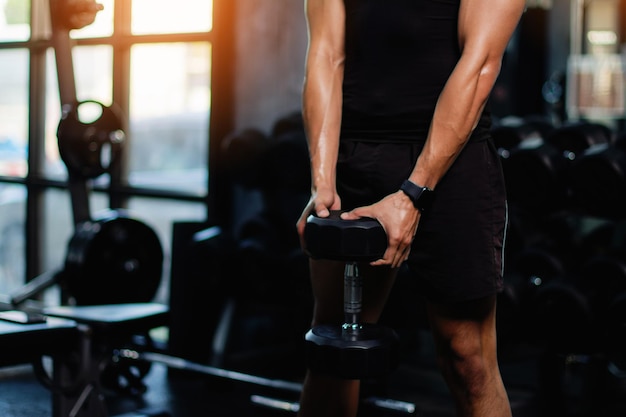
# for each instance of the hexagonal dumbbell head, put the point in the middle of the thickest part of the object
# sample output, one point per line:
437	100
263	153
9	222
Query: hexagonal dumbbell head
344	240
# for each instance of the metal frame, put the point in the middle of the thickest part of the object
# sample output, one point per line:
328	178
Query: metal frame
221	118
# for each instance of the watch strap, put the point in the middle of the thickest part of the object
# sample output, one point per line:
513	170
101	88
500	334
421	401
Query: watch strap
420	196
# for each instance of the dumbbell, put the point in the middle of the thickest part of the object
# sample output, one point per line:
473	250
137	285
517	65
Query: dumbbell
511	131
551	311
616	332
599	180
353	350
603	280
537	171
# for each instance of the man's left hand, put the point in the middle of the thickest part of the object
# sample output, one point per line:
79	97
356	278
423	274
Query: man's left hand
399	219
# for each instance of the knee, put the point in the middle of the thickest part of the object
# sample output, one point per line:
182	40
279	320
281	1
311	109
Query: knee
466	364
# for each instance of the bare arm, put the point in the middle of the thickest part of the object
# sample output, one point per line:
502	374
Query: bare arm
322	100
485	27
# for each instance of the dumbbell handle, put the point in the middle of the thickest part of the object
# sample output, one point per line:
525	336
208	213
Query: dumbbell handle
352	298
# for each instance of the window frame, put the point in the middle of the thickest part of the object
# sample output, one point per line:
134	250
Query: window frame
221	118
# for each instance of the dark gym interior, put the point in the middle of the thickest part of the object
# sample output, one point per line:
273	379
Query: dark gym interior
153	165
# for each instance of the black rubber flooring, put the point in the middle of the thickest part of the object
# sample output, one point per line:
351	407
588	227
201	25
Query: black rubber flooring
416	381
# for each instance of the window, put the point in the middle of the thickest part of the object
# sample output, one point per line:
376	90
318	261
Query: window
153	58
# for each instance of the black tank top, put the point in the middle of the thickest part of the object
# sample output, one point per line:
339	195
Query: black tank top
399	55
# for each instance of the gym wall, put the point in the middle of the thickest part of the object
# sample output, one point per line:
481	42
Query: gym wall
271	42
271	46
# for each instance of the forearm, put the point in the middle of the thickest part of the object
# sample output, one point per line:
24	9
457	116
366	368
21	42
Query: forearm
322	94
485	27
456	115
322	101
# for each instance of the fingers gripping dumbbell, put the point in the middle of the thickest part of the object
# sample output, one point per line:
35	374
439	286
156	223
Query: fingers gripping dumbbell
353	350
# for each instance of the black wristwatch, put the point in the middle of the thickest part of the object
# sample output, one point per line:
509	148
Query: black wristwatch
422	197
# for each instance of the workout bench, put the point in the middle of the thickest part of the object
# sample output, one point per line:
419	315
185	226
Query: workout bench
80	341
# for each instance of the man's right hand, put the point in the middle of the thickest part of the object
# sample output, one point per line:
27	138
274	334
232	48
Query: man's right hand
321	203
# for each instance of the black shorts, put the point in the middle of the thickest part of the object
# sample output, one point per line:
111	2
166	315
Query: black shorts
457	254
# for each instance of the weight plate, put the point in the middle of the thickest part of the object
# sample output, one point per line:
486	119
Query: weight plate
113	260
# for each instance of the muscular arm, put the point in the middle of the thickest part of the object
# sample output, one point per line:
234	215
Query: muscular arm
322	98
485	27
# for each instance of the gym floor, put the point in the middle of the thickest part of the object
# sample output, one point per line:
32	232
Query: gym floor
416	381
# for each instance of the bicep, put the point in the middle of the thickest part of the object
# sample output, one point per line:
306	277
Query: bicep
485	27
326	27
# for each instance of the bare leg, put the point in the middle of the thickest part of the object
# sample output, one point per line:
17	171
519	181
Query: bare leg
465	338
323	395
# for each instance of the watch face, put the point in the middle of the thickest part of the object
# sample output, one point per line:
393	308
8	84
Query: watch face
420	196
425	199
